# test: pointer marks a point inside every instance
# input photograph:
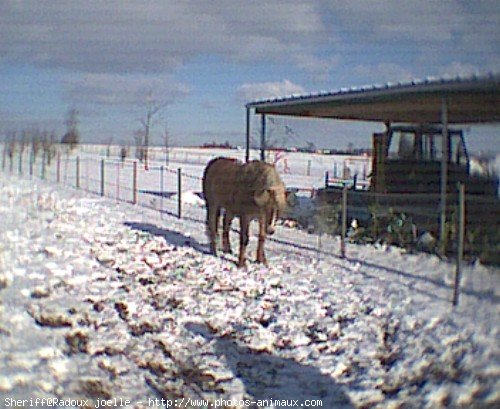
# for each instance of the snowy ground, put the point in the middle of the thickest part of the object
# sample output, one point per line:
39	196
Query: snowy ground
100	299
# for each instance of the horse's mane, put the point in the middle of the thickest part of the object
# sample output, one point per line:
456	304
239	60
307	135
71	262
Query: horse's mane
257	175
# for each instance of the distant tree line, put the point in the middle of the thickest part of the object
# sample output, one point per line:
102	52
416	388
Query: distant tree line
213	144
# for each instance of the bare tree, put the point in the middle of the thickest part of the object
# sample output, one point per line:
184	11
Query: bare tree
72	136
139	144
167	141
153	109
48	140
23	142
36	144
123	153
109	142
274	137
11	148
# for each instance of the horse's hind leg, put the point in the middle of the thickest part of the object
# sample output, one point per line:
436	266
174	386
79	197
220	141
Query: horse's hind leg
212	221
261	256
226	245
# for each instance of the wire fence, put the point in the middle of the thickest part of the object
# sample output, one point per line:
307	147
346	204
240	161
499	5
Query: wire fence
343	207
158	187
311	168
168	188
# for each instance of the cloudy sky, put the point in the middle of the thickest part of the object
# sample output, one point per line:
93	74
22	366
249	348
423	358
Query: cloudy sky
203	60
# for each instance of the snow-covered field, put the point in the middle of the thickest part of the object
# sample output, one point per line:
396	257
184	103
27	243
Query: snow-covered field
100	300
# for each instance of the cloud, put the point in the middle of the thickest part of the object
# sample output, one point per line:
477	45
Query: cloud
427	33
323	39
459	69
18	121
122	90
251	92
381	73
318	68
126	36
396	20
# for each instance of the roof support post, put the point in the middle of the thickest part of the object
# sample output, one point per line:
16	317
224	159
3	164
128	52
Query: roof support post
247	151
263	138
444	173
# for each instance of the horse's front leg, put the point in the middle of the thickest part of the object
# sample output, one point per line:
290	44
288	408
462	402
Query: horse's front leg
244	224
261	256
226	246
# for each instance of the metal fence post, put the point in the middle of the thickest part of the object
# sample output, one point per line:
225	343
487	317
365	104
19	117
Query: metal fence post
42	173
117	181
102	177
179	193
58	168
87	166
309	167
20	162
77	172
460	241
32	160
161	191
344	222
134	183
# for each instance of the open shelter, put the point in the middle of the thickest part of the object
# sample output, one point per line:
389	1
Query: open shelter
443	101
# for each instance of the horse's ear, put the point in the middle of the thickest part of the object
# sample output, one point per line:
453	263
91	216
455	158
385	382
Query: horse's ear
261	197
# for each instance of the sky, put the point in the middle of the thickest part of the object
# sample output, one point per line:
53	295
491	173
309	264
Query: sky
201	61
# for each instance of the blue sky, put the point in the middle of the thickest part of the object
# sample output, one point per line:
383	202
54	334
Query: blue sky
203	60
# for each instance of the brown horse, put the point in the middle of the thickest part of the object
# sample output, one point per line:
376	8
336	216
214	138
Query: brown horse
250	191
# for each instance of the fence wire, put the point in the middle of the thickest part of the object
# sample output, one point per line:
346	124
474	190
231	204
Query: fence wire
370	217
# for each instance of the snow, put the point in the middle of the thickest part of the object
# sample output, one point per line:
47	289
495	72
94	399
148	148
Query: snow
190	198
104	299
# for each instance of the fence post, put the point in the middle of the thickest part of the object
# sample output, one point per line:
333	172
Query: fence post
460	240
134	183
179	193
58	168
32	160
344	222
102	177
78	172
43	166
309	167
86	166
327	177
117	182
20	162
161	191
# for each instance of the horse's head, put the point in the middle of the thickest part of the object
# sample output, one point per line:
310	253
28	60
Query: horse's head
273	201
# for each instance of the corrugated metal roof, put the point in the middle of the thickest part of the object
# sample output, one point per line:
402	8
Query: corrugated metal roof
411	84
472	99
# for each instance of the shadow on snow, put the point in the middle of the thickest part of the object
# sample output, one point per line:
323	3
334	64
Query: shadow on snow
267	376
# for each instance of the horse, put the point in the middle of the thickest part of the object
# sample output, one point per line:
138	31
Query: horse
252	190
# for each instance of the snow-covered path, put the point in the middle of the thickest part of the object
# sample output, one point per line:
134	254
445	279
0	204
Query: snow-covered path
104	300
